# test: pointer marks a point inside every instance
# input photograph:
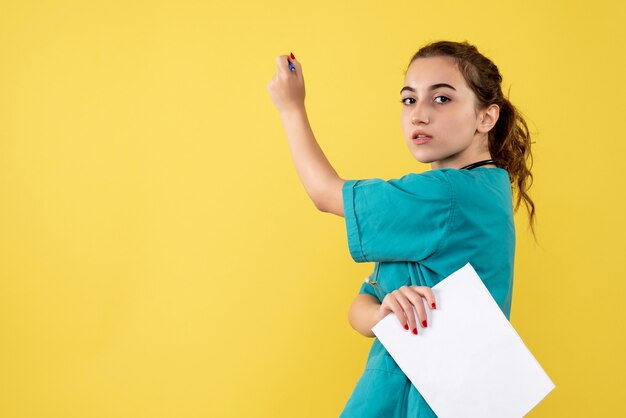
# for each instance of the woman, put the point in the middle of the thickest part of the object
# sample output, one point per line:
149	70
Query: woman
422	227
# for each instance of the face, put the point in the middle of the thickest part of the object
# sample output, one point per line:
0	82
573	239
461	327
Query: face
447	114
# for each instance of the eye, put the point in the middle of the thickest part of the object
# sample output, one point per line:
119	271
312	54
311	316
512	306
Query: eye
446	99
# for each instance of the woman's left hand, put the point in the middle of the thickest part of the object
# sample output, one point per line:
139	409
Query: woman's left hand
402	302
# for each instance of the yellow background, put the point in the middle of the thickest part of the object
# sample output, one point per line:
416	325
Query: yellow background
159	256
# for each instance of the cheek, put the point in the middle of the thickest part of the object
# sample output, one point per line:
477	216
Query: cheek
460	125
451	126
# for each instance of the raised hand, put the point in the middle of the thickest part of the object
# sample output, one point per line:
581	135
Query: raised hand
286	88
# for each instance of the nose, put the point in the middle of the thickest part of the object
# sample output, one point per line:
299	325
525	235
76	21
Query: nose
419	113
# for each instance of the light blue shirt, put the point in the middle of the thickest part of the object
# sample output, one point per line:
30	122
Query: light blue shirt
421	228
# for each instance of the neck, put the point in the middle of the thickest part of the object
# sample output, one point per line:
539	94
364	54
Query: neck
457	164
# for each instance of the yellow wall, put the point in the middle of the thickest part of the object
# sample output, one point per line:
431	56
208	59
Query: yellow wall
159	256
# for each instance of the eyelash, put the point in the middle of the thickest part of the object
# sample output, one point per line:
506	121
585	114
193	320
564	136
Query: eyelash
447	100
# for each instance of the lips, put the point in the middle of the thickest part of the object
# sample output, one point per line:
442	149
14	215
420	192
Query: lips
420	134
422	140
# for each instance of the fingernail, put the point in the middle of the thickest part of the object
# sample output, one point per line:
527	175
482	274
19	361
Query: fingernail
415	331
424	324
433	305
292	57
406	327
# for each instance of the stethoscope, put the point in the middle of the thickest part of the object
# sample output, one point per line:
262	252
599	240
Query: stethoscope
467	167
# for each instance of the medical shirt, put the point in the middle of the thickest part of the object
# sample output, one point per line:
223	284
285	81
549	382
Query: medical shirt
419	229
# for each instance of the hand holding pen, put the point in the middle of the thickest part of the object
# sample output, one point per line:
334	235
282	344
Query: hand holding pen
286	88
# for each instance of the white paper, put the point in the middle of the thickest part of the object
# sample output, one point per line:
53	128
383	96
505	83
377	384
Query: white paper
469	361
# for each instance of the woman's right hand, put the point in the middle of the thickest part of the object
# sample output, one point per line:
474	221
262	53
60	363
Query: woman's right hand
401	302
286	88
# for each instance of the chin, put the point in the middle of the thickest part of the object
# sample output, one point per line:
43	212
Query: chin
424	159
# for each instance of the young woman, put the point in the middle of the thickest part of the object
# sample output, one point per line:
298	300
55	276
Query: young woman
420	228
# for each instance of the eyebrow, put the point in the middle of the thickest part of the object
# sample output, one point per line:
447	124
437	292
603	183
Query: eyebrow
433	87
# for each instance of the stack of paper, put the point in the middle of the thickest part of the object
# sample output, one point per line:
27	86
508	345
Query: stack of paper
469	361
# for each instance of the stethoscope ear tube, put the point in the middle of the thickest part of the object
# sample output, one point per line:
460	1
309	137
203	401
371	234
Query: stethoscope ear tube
478	164
467	167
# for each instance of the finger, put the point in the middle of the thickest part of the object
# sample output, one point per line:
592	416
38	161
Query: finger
407	307
282	65
428	294
296	64
417	302
391	303
291	65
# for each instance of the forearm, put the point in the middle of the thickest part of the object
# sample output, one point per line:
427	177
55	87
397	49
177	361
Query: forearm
311	164
363	314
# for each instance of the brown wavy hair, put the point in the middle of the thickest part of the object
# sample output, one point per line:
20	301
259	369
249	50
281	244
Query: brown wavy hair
509	140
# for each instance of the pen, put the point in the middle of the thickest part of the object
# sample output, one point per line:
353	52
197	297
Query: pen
291	67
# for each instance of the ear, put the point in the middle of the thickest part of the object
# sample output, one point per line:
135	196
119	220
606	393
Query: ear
488	118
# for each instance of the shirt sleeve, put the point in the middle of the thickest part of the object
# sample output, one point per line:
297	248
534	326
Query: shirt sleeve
403	219
367	288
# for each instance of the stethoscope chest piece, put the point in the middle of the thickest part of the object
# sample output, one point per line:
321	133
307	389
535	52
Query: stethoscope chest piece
374	282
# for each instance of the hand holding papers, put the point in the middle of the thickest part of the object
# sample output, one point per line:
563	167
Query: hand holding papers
470	361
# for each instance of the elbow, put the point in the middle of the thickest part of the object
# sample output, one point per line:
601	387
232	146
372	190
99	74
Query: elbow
330	199
351	322
368	333
319	202
365	332
357	325
318	205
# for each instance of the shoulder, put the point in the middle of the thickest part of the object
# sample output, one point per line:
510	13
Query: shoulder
427	183
481	185
431	181
476	177
441	182
479	171
438	175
